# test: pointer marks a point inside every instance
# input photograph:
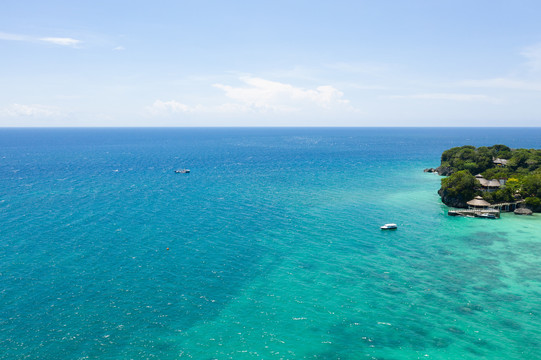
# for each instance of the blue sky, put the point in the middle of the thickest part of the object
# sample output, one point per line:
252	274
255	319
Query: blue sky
270	63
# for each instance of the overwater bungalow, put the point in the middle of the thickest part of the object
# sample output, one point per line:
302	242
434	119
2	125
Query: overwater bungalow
478	203
477	207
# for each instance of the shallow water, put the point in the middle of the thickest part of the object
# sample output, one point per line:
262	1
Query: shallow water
270	248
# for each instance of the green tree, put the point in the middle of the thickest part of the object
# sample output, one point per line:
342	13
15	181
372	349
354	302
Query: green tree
501	151
532	185
460	185
533	203
523	172
513	183
483	159
496	173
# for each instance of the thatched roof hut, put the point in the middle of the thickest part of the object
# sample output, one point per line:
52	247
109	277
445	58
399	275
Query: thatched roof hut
500	162
494	183
478	202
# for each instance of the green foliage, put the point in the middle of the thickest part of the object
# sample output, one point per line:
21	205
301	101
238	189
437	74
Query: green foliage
514	184
503	195
501	151
524	160
470	166
460	184
531	185
475	160
496	173
533	202
523	171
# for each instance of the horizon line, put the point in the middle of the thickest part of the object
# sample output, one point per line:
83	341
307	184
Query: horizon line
270	127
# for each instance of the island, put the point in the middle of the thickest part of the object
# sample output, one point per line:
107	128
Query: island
495	176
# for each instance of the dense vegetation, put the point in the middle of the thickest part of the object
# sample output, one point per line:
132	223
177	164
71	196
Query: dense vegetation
522	173
460	185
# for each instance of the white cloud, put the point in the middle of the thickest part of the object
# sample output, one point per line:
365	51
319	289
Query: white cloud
444	96
62	41
170	107
119	48
34	110
261	94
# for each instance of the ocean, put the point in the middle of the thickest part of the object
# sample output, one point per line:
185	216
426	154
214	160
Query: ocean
270	248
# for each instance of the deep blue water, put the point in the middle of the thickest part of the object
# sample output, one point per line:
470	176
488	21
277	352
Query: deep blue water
269	248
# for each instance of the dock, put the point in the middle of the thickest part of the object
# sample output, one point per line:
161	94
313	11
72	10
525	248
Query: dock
482	213
492	211
507	206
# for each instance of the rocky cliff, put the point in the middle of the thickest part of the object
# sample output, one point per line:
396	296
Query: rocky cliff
441	170
456	202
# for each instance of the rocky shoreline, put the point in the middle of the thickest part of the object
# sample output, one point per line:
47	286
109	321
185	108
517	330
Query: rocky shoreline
458	201
440	170
501	177
450	201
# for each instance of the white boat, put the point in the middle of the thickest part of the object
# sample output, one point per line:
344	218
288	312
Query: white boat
182	171
389	227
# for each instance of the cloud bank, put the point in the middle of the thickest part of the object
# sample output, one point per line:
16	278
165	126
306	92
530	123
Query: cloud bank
34	110
257	95
264	94
160	108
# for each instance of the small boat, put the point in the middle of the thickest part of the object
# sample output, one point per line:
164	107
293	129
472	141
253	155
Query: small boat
182	171
389	227
487	216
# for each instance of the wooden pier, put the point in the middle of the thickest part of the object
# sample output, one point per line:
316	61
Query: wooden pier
508	206
481	213
491	212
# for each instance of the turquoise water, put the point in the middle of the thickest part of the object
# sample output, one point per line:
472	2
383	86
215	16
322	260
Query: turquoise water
269	249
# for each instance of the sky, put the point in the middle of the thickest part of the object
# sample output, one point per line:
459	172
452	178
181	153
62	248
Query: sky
270	63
